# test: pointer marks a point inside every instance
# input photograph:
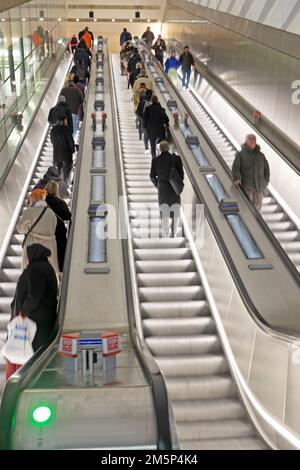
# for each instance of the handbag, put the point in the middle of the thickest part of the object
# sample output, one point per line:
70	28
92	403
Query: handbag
33	225
18	347
175	179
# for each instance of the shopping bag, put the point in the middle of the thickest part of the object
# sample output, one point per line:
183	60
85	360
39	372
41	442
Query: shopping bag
18	347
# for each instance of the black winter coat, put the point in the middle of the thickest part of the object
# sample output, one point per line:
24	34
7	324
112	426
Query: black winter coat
82	54
186	61
63	143
73	97
133	60
60	112
155	119
160	172
63	214
36	294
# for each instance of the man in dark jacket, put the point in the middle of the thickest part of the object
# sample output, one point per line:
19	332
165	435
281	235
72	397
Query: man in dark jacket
63	148
36	294
74	99
251	171
80	71
169	201
125	36
84	54
162	42
135	73
148	37
155	121
159	52
60	112
84	31
186	61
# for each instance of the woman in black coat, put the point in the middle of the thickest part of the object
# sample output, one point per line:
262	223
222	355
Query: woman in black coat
155	121
63	215
36	294
167	198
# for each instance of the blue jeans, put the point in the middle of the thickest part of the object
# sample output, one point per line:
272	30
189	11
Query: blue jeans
75	124
186	75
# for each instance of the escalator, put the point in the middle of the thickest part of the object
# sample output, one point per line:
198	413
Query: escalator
11	267
178	327
282	226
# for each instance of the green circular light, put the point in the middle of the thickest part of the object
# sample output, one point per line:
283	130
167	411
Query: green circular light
41	414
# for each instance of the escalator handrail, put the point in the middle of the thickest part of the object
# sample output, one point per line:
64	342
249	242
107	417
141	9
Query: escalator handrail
23	376
254	313
151	369
285	146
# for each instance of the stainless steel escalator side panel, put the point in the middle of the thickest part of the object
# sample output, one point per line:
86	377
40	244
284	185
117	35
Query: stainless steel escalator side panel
263	364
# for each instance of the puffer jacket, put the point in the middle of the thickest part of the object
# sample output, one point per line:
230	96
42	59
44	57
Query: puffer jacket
252	169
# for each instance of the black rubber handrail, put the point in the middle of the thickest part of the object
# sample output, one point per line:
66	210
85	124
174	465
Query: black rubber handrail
21	379
151	369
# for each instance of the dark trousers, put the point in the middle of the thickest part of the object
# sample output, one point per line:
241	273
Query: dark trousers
143	133
64	169
153	142
186	75
160	59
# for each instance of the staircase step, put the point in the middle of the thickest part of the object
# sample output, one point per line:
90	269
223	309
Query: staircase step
161	255
178	326
193	366
171	294
207	410
170	266
204	430
200	388
249	443
183	345
168	279
173	310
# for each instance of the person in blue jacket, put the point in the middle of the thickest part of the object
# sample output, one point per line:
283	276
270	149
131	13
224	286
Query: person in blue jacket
172	65
125	36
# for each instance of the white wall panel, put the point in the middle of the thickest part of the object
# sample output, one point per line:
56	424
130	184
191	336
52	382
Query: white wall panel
275	13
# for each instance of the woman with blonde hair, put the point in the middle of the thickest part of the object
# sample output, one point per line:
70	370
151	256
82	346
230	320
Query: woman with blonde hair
63	215
38	224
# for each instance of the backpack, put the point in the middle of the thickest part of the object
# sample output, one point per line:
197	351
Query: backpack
81	72
18	347
74	41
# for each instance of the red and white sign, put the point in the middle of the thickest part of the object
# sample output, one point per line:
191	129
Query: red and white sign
111	344
69	344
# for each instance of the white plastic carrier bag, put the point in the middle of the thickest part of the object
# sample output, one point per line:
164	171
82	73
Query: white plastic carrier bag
18	346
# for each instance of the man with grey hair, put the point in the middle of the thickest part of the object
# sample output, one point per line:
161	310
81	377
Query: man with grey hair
251	171
168	199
